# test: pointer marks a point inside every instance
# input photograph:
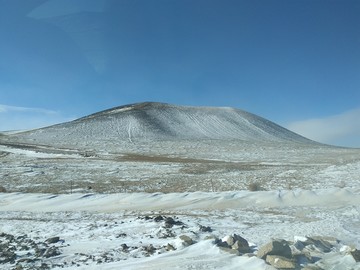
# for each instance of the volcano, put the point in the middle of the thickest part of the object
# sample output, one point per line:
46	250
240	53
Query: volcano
151	121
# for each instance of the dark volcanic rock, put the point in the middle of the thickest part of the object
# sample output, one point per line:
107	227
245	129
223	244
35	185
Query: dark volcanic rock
170	222
53	240
356	255
52	252
158	218
7	256
205	228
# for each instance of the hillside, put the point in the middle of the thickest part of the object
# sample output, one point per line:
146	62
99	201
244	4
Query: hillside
161	122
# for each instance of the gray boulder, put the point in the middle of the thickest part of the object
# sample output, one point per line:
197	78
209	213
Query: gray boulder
235	242
186	240
322	244
241	244
275	247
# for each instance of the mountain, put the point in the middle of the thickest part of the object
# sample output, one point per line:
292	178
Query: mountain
150	121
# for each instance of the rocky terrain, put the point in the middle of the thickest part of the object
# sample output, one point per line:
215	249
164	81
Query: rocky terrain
172	233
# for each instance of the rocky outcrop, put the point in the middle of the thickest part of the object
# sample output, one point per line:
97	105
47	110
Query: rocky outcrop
310	253
234	244
22	252
276	247
26	253
305	253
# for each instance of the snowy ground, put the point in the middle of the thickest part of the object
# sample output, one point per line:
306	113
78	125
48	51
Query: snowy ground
305	190
95	228
178	167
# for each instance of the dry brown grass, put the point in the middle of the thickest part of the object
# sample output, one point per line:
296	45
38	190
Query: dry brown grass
160	159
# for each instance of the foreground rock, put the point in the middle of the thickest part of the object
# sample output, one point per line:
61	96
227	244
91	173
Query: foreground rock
276	247
234	244
306	253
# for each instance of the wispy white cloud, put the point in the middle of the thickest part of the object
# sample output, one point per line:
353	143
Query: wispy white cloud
341	129
9	109
20	118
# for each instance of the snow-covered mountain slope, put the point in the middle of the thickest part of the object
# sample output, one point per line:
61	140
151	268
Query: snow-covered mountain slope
163	122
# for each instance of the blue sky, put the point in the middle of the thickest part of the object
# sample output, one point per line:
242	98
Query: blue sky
294	62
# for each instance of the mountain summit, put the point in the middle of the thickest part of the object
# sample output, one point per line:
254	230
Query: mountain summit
152	121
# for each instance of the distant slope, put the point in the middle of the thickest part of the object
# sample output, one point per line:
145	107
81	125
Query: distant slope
158	121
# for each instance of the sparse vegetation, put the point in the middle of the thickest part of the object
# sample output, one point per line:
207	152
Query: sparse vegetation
2	189
174	167
254	186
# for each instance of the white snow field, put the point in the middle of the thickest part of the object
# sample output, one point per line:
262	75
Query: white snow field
128	187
